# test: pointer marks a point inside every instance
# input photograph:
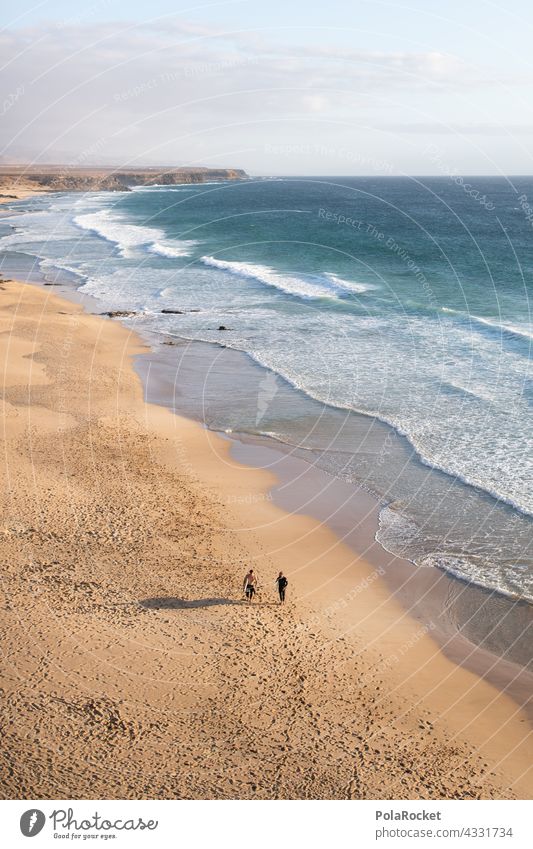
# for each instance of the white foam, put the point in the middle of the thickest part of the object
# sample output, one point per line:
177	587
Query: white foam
505	483
398	534
291	284
523	331
349	285
475	392
127	237
512	329
174	187
506	580
48	265
24	236
173	249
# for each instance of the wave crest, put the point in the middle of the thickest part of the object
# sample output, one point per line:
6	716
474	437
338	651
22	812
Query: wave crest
325	285
128	237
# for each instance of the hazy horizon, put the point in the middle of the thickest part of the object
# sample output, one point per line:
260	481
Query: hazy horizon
7	166
366	89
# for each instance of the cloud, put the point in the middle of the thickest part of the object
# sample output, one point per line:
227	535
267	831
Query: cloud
109	92
456	129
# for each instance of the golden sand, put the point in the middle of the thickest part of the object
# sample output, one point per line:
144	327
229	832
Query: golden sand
131	666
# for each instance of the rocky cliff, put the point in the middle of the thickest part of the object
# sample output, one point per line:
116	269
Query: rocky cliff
66	179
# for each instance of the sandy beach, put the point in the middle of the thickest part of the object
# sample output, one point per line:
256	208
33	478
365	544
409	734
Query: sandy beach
19	189
131	666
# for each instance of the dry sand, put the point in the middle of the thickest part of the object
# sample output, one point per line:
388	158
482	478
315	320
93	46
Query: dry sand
18	188
131	666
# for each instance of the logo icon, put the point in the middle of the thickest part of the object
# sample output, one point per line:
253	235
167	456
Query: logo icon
267	389
32	822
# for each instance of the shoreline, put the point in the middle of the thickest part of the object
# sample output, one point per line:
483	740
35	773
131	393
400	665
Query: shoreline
20	182
455	545
465	638
463	617
436	599
433	748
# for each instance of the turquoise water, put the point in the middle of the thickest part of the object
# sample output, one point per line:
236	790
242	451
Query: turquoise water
403	300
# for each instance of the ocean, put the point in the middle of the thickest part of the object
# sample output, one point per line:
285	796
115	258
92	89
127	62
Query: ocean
385	323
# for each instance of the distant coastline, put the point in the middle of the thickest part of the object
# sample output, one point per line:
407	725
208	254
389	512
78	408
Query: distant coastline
19	181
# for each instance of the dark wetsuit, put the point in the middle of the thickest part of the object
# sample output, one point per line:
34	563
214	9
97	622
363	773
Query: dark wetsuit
282	586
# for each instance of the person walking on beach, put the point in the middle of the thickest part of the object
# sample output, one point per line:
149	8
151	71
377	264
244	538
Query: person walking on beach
249	586
282	582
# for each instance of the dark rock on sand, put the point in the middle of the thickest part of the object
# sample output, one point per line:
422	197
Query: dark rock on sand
119	313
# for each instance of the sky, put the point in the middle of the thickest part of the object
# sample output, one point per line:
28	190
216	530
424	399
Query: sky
338	88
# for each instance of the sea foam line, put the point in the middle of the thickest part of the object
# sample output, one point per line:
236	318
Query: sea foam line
124	236
290	284
173	249
404	432
127	237
349	285
499	327
325	285
395	533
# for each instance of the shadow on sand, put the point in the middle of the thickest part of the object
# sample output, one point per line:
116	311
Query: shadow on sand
170	603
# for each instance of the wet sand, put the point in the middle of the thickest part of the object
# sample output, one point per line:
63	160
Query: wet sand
480	629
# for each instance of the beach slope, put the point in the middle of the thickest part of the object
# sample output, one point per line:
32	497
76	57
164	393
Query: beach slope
132	668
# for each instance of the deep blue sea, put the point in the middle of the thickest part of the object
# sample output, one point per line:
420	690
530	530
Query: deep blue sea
403	300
